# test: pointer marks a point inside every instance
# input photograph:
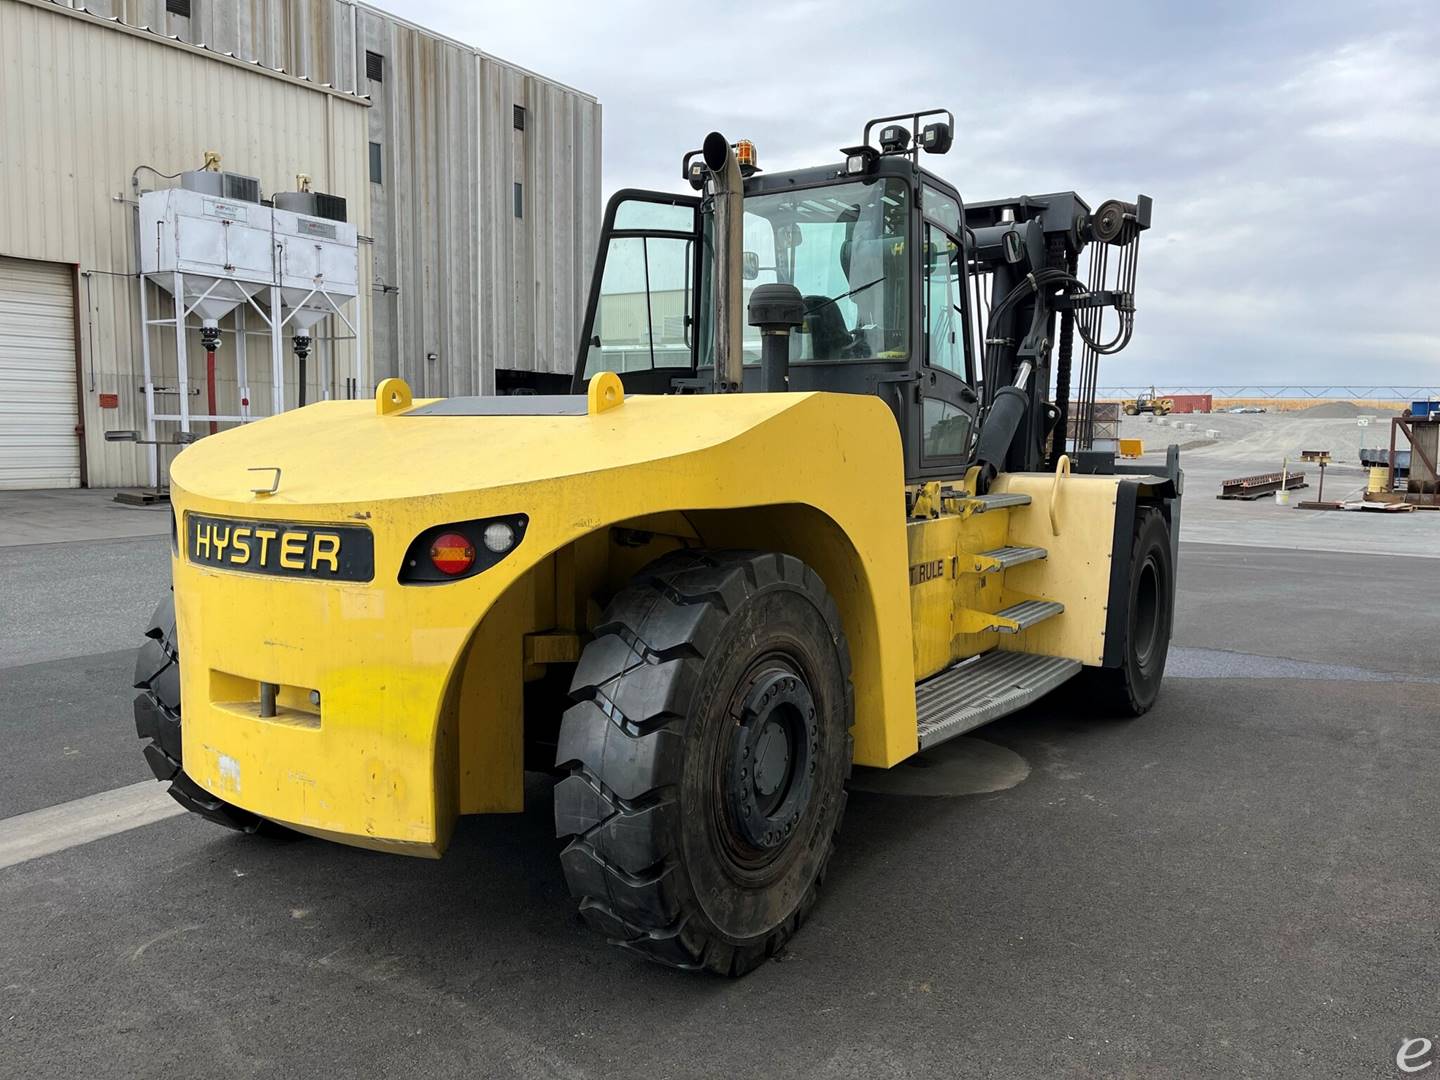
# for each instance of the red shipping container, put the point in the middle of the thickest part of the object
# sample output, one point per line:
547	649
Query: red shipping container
1191	403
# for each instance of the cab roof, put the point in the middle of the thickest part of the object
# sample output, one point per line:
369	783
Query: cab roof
896	165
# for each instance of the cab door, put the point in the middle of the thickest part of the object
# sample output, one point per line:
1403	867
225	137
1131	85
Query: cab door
944	423
639	321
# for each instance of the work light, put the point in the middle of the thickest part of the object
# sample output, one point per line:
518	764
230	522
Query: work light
499	537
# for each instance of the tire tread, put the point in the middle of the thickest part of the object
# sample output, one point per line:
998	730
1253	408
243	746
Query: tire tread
157	722
1112	691
618	802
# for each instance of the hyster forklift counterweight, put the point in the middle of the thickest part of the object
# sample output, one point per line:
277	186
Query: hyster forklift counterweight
735	562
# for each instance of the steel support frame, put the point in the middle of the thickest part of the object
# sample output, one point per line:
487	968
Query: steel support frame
357	365
1419	498
275	332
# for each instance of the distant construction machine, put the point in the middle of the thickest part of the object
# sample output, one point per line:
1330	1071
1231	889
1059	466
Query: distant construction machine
1149	402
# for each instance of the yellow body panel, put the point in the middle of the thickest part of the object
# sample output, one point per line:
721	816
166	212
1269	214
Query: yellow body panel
400	706
1079	540
954	589
943	583
414	725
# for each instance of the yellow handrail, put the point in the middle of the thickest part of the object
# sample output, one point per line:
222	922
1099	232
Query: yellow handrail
1062	468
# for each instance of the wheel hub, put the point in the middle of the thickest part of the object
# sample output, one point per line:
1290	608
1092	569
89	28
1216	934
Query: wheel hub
772	759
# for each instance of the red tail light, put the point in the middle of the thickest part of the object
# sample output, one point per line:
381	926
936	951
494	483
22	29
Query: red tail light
452	554
458	550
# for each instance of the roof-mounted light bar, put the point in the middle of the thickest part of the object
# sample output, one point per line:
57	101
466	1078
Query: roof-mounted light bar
896	137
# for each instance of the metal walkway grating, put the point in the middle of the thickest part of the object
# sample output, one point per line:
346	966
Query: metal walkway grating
974	693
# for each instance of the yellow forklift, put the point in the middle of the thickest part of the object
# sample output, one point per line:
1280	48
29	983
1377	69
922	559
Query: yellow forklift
1147	401
809	506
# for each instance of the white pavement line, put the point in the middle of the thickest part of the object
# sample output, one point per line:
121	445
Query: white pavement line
44	832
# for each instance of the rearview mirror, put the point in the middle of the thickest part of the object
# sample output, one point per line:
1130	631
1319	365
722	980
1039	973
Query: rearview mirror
750	265
1013	246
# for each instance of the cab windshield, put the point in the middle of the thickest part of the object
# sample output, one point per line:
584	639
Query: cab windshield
844	248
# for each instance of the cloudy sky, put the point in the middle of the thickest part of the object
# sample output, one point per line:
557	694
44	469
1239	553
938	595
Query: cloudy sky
1292	148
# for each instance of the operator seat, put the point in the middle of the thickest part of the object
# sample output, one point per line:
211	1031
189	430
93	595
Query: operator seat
825	322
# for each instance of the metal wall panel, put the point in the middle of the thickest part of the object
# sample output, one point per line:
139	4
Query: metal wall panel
82	104
477	289
455	275
459	278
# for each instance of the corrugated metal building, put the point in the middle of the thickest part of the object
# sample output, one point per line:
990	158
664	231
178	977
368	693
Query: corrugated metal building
476	181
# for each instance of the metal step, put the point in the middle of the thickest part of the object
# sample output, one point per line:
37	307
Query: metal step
999	501
974	693
1006	557
1029	612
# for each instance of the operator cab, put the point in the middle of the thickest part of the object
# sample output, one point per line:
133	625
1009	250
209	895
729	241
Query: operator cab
895	301
873	245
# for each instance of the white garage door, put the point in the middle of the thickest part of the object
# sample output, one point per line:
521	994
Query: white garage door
38	405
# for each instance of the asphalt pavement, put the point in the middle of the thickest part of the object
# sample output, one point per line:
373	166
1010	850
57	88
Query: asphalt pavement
1242	883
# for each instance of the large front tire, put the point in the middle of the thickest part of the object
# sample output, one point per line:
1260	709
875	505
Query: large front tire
157	721
707	754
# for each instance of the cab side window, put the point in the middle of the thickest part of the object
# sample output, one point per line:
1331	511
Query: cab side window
946	430
643	316
944	319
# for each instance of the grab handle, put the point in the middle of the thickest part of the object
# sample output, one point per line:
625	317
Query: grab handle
1062	468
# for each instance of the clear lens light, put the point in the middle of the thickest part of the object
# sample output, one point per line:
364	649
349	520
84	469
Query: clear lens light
499	537
855	163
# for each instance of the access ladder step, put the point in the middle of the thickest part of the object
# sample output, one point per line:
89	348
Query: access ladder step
999	501
985	689
1006	557
1027	613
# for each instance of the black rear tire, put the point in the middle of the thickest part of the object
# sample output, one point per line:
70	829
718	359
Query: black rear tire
706	759
1130	689
157	721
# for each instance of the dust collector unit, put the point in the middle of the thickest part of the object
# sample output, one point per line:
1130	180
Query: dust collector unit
317	258
213	233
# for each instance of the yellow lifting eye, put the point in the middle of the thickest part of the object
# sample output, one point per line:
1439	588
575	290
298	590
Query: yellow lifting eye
391	396
604	393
